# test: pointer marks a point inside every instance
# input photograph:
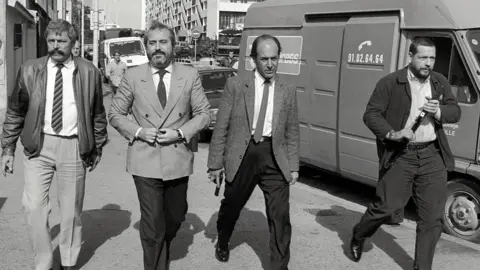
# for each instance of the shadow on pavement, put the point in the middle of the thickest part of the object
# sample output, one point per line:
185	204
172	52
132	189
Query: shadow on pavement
341	220
346	189
251	229
99	226
2	202
184	239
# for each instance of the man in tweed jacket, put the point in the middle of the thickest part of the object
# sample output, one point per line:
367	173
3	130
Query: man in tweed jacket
256	141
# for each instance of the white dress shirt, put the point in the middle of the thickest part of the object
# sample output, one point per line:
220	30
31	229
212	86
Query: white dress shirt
167	78
69	110
259	84
420	91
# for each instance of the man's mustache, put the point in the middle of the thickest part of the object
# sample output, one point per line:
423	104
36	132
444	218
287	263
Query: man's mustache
158	53
52	52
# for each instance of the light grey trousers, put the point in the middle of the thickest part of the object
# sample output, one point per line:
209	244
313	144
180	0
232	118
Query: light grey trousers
60	157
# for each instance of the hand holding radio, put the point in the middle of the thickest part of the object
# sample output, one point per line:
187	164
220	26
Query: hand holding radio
431	106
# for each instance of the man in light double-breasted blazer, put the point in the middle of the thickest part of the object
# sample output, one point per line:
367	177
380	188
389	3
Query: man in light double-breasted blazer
169	108
256	141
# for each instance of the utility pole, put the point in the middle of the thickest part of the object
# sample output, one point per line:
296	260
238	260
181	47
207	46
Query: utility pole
95	32
3	54
83	29
64	9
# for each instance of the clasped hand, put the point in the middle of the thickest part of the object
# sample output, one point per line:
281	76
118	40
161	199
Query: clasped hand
161	136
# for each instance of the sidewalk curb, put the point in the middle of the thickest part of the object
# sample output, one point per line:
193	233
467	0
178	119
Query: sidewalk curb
408	224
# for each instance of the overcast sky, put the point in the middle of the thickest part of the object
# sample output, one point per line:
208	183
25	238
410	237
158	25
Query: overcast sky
126	13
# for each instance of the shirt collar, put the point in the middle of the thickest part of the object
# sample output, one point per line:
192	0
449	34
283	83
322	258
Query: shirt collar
68	64
155	70
259	78
413	78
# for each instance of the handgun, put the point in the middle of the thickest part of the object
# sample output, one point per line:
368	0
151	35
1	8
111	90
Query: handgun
217	188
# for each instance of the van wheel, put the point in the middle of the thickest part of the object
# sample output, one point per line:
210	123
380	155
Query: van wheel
462	210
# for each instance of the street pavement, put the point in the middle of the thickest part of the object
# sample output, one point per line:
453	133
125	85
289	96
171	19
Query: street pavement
323	211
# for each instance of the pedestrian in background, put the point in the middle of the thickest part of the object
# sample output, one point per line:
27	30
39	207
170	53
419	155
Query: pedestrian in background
114	71
421	169
76	49
256	141
57	109
169	108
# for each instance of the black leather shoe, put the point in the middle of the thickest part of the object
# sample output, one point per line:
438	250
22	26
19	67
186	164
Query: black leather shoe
356	248
221	254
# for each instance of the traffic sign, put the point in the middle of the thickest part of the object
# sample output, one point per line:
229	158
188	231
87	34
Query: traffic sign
196	33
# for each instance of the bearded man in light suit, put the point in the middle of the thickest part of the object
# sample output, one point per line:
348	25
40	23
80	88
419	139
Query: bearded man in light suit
169	108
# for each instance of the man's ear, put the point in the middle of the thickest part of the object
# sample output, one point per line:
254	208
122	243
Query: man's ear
410	57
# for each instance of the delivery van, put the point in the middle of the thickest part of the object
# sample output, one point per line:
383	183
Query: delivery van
336	51
131	49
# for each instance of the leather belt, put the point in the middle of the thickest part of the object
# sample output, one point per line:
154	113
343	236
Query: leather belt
63	136
264	139
419	146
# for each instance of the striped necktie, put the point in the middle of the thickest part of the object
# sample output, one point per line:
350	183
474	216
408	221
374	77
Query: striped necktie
57	108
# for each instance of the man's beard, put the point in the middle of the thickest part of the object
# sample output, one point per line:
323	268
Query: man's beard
158	64
418	73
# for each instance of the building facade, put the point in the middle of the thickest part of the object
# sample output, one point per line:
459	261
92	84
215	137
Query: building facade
22	31
64	9
209	16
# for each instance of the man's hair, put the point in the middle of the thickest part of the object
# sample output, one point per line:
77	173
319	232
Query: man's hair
259	39
420	41
156	25
59	26
117	52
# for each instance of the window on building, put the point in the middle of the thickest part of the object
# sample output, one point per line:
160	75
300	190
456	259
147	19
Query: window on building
449	63
18	36
229	20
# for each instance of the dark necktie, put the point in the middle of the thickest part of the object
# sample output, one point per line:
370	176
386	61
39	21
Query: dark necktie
161	89
57	108
263	110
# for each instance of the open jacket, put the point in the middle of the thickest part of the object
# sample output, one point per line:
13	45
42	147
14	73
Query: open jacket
26	109
233	129
389	107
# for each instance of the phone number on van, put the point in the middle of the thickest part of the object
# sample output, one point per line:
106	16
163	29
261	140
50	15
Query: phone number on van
365	58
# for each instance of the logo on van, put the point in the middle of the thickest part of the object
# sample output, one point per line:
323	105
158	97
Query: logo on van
367	42
290	57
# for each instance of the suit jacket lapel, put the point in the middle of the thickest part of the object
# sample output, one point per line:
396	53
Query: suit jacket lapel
250	98
149	90
278	95
177	85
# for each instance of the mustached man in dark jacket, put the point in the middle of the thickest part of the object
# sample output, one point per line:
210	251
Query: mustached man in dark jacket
421	169
56	109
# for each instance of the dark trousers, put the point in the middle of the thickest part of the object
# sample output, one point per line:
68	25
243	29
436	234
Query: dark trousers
163	205
259	167
421	174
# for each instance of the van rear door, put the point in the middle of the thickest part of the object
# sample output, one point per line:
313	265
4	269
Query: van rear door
318	98
370	51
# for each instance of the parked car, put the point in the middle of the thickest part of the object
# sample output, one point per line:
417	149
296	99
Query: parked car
213	79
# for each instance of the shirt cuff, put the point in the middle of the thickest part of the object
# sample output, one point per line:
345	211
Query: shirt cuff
438	115
138	132
181	133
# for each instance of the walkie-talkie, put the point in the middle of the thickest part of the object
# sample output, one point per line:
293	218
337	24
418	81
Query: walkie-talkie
404	142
